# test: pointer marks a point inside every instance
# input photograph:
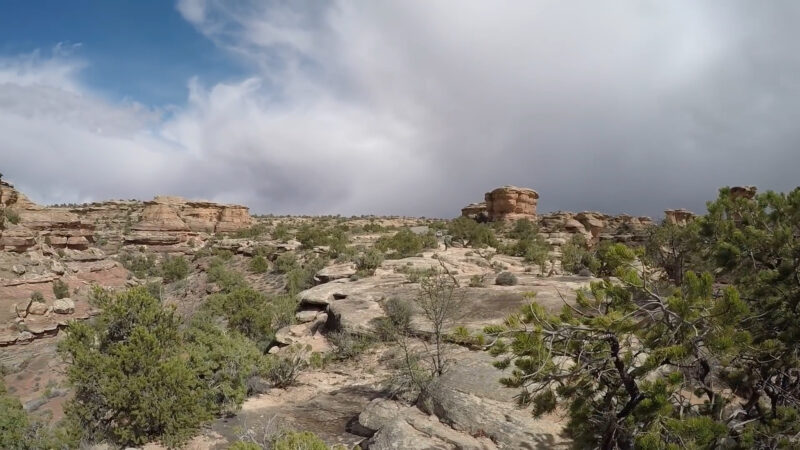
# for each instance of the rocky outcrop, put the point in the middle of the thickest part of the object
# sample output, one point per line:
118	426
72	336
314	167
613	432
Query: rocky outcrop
594	227
475	211
35	225
167	221
511	203
747	192
679	217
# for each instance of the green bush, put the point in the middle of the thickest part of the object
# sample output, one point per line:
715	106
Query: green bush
299	441
60	289
223	361
132	383
227	280
252	313
613	257
37	297
254	232
141	264
281	233
302	277
173	268
11	216
285	368
575	256
506	279
405	243
286	262
14	422
471	233
348	345
259	264
477	281
368	261
239	445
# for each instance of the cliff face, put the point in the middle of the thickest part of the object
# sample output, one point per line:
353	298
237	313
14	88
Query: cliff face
33	224
42	245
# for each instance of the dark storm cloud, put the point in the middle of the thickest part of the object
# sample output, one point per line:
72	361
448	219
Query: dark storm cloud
420	107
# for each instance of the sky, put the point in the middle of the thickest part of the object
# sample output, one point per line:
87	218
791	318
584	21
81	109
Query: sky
410	107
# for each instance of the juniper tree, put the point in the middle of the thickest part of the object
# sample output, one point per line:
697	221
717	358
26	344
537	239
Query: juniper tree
636	363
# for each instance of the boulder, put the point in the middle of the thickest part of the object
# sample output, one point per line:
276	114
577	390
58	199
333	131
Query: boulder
64	306
336	272
37	308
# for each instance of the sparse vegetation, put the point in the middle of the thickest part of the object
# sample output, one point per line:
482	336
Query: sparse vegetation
405	243
173	268
506	279
259	264
60	289
367	262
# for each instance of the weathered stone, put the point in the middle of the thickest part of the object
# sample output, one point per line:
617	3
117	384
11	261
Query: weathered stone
336	272
306	316
37	308
19	270
64	306
511	203
678	216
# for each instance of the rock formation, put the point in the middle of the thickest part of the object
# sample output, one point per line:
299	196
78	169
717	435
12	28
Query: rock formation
506	203
747	192
511	203
35	225
475	211
678	216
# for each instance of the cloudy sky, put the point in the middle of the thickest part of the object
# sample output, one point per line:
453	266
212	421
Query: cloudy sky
411	107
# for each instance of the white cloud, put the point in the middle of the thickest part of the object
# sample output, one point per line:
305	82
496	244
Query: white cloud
417	107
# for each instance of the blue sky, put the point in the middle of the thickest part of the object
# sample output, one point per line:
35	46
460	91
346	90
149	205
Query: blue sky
408	107
134	49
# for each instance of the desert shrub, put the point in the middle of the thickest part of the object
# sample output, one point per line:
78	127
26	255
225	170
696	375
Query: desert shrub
398	312
373	227
575	256
37	297
471	233
131	382
286	262
223	361
348	345
294	440
477	281
523	229
60	289
368	261
240	445
613	257
14	422
414	274
311	236
173	268
227	280
281	233
259	264
405	243
302	277
506	279
252	313
11	216
254	232
284	369
142	265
